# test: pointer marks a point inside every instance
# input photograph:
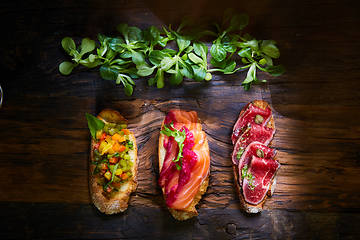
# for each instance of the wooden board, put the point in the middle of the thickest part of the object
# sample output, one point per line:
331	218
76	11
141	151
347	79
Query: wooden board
45	141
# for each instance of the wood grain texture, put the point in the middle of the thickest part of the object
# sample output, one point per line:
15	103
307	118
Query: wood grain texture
45	142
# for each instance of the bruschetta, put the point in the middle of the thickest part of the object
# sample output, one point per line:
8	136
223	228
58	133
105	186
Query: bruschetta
184	163
113	161
254	162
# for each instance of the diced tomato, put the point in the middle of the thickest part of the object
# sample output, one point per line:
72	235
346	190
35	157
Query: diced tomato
103	136
118	147
125	131
108	189
122	148
124	176
113	160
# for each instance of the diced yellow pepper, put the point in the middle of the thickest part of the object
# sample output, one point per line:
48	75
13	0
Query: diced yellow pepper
98	134
118	137
118	172
107	175
106	147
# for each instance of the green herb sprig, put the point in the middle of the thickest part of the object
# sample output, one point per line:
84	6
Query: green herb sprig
245	174
137	53
179	137
94	124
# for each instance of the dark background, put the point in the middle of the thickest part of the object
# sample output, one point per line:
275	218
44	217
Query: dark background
44	138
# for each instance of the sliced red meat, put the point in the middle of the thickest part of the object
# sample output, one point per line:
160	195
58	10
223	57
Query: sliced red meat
251	116
258	180
257	133
254	149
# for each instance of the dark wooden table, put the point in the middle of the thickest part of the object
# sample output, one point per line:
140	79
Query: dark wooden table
45	141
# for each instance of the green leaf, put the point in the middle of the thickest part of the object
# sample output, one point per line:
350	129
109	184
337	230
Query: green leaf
253	44
108	73
201	49
138	58
134	34
144	70
128	89
218	51
230	67
268	59
270	49
250	77
152	34
195	59
126	54
68	45
167	63
262	61
199	73
94	124
87	45
169	51
245	52
119	61
156	56
159	78
275	70
217	64
65	68
177	78
91	61
116	44
228	44
186	70
182	42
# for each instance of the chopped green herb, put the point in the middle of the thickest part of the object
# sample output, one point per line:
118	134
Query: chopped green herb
179	137
239	153
245	174
130	144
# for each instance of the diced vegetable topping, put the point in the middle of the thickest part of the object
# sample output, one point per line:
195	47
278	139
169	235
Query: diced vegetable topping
111	156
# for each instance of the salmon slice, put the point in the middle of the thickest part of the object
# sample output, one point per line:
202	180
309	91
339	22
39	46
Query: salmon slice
199	172
183	118
170	177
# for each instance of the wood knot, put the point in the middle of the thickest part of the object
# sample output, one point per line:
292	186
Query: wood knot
231	228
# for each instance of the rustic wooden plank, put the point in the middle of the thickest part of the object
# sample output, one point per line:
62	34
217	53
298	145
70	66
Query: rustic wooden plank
81	221
45	141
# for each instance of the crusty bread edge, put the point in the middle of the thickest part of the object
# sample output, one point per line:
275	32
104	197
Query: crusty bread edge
190	211
249	208
119	202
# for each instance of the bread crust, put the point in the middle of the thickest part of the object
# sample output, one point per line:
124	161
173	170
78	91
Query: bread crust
118	202
250	208
190	211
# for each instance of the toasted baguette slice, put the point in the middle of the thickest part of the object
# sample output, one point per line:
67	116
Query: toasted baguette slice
119	201
249	208
190	211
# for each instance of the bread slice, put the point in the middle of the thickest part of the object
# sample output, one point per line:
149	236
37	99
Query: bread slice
119	201
249	208
190	211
